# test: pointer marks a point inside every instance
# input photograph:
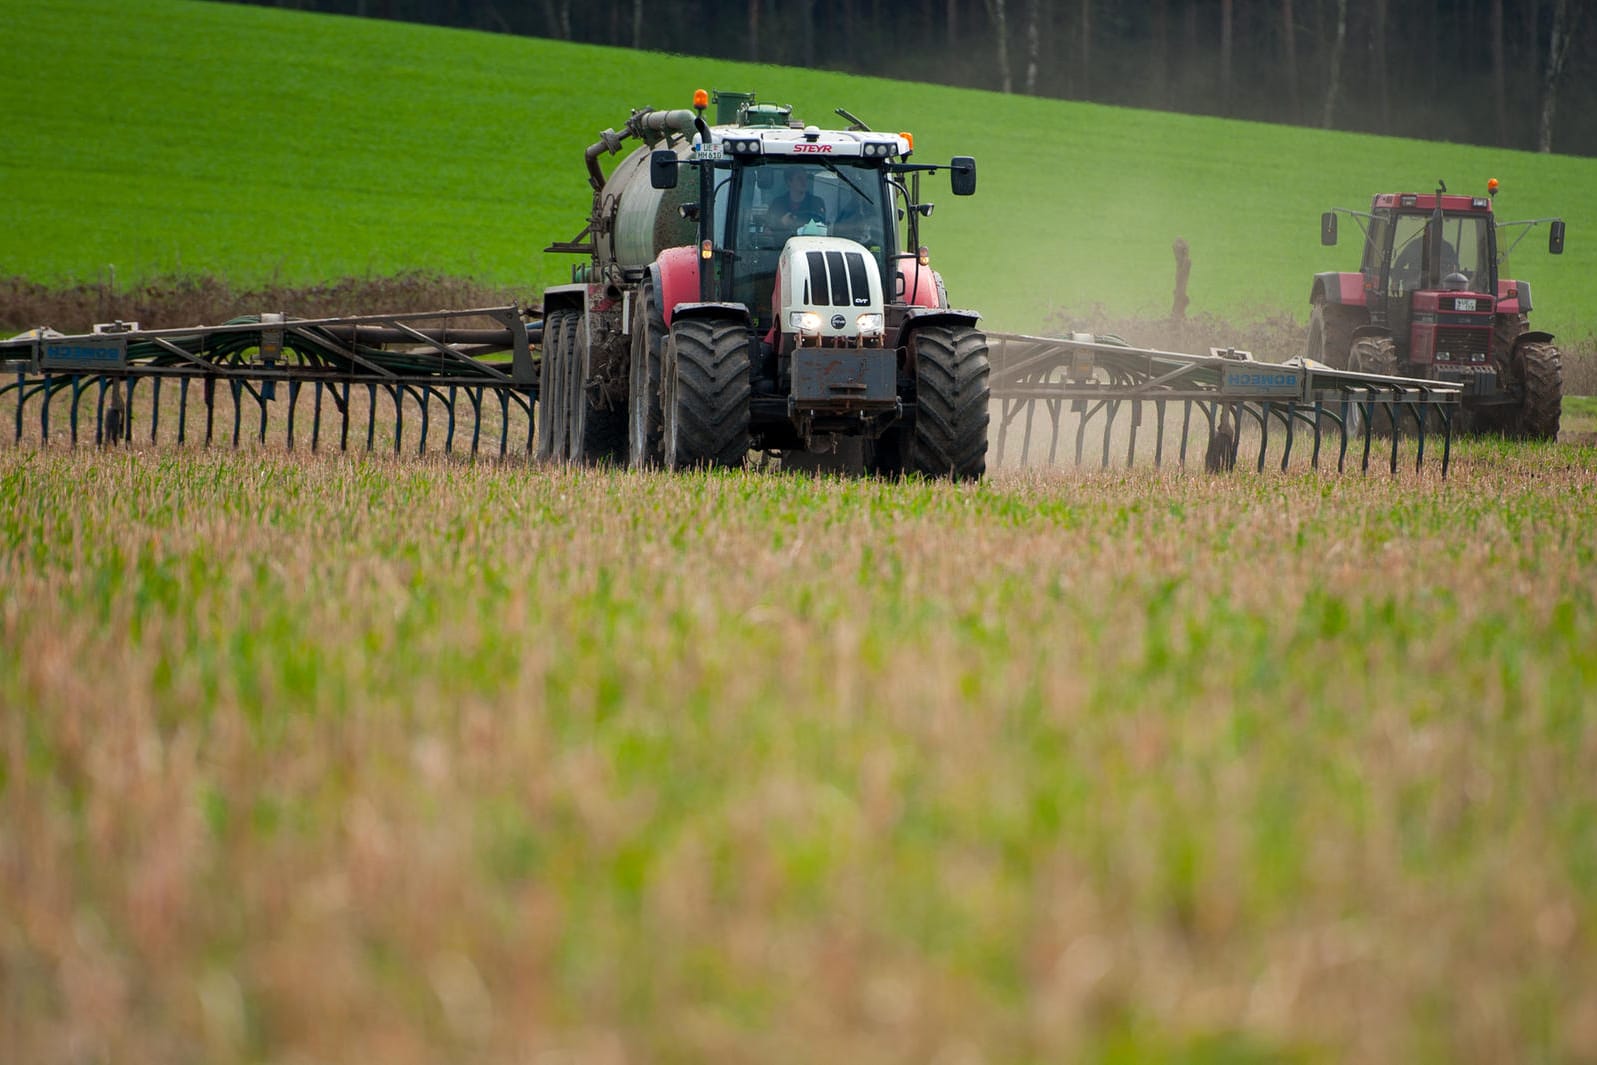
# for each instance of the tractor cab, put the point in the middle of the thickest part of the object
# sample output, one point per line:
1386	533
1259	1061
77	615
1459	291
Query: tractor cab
1430	271
850	196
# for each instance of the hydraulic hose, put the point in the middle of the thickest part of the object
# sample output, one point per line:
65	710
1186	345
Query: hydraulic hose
648	126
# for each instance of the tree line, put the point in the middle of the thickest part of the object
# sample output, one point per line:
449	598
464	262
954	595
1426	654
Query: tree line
1510	73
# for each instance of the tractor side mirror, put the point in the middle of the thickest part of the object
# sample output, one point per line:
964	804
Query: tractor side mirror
962	175
1555	237
1328	228
663	168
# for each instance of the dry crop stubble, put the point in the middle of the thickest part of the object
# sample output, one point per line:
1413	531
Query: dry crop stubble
318	757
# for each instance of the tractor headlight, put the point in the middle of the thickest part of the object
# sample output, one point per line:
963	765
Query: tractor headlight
805	323
870	324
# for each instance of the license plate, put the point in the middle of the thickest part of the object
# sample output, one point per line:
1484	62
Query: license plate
1464	305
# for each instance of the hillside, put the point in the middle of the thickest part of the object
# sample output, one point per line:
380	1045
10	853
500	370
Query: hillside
160	136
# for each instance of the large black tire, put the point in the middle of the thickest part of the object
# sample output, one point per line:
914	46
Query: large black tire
574	361
1374	354
706	394
1331	328
1541	369
1537	370
551	387
643	382
596	433
565	357
951	400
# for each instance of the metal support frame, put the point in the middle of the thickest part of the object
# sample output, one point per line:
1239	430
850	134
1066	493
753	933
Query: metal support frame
1050	390
423	361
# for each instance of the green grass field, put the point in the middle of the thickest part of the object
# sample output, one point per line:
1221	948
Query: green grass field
162	136
313	759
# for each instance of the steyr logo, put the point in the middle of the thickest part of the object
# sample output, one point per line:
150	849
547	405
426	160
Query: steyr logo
811	148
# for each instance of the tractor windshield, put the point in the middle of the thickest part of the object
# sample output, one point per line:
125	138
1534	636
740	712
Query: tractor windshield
775	199
1465	249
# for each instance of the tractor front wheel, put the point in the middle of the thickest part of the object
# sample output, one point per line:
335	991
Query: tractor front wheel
951	401
1377	355
1374	355
706	394
1541	370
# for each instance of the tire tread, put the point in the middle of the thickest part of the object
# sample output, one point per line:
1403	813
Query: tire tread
952	394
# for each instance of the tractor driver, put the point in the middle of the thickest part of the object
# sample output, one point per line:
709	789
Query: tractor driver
1407	264
797	206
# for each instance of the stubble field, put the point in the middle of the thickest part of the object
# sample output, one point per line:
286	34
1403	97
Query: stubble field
313	759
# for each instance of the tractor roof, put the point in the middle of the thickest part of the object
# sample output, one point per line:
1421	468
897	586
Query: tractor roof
1426	201
808	142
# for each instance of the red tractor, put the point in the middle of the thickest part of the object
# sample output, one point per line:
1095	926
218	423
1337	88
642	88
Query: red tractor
1427	302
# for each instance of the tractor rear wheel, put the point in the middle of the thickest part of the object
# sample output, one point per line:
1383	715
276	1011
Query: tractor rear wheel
551	387
643	382
951	400
1331	328
597	433
1541	371
706	394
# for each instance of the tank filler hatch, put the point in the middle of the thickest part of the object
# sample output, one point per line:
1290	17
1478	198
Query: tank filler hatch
741	109
774	116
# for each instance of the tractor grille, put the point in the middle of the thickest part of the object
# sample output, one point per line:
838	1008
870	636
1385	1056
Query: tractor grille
838	279
1462	345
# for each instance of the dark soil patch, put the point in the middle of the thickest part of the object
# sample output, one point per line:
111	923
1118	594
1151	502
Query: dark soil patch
176	302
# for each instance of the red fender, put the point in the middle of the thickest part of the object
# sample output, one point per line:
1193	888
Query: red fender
1513	297
679	279
922	285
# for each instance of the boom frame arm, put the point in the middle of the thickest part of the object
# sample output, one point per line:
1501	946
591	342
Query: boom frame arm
1528	224
1361	217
